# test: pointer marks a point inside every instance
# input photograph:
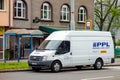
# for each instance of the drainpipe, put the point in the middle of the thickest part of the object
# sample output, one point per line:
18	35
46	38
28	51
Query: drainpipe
9	13
72	20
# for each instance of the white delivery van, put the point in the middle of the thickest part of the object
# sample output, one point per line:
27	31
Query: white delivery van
73	49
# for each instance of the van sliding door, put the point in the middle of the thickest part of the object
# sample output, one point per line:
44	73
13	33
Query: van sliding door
79	51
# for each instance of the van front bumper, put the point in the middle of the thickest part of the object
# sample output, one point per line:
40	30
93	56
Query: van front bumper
41	64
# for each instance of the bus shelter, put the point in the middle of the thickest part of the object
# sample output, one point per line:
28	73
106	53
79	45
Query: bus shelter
19	33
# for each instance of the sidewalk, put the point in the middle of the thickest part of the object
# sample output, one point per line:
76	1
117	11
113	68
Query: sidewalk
117	63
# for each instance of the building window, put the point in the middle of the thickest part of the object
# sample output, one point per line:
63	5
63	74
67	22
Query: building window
82	14
2	5
20	9
65	13
46	11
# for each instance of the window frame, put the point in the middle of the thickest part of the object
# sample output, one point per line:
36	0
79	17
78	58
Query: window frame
65	12
22	6
1	37
3	9
48	12
63	48
82	14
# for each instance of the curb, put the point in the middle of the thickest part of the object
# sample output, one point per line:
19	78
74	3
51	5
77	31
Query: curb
112	65
15	70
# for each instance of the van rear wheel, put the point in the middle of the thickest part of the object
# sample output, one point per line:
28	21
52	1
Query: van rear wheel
98	64
56	66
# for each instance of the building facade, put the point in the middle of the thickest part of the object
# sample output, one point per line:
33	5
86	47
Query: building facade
21	14
56	13
21	20
32	14
21	38
6	9
17	17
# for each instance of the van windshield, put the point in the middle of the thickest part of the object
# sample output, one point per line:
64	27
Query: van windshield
50	45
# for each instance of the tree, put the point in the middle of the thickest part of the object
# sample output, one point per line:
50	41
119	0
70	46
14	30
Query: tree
107	14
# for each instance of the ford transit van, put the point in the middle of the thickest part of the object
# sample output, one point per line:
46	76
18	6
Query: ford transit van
73	49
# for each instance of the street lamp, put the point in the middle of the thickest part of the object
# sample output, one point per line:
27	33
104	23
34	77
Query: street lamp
72	20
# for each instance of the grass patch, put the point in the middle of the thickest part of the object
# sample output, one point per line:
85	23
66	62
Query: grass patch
118	56
13	65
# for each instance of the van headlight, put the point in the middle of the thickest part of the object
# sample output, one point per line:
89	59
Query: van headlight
44	58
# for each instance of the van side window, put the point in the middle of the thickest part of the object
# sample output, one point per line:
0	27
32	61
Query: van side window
64	47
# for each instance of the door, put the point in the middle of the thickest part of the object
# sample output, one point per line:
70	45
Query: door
80	51
63	53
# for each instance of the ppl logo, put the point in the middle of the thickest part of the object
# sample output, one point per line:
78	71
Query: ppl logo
101	45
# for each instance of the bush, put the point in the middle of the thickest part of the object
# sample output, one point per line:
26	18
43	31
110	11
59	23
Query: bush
7	54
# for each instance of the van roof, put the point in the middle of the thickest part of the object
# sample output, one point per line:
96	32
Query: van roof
63	35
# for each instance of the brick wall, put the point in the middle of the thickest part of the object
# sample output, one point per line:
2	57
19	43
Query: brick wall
17	23
34	10
56	6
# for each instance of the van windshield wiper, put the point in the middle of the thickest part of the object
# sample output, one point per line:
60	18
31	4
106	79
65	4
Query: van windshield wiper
45	49
49	49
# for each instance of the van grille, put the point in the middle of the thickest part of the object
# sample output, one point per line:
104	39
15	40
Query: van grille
36	58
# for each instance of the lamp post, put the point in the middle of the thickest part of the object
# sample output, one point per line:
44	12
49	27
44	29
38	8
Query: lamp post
72	20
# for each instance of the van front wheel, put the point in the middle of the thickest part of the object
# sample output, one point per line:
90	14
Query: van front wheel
98	64
56	66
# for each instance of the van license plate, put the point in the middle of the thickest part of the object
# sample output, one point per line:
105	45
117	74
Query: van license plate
34	63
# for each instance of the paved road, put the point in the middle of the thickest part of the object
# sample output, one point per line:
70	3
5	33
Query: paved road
107	73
